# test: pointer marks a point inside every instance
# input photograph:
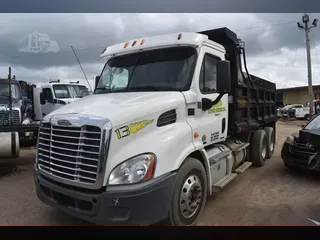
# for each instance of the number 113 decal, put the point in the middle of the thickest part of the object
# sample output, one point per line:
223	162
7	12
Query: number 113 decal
123	132
132	128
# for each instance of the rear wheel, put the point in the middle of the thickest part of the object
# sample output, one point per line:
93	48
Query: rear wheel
190	193
259	148
307	117
270	141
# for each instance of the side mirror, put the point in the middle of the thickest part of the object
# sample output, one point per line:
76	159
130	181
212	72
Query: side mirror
206	104
223	77
42	101
96	80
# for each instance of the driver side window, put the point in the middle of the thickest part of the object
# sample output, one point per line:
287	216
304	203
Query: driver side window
120	79
115	78
208	74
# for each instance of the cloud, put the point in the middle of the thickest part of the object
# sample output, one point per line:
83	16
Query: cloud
273	41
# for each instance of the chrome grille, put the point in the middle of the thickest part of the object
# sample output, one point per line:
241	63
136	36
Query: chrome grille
71	153
302	150
4	117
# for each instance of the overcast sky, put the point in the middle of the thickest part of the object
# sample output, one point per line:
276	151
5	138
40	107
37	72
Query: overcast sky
275	46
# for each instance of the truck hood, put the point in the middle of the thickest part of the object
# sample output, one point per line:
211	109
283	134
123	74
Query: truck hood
122	107
68	100
15	104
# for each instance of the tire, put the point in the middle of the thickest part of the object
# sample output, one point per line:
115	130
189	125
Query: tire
270	141
259	148
307	117
191	171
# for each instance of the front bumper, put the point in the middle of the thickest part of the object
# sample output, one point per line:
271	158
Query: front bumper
28	131
296	159
145	203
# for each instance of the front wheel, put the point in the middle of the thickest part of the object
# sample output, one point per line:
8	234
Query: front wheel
190	193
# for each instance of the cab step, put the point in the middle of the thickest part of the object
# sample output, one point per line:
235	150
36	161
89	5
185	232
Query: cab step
243	167
224	181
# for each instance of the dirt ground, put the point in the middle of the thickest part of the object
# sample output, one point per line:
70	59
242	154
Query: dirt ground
271	195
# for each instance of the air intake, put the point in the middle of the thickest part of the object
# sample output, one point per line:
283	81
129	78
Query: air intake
167	118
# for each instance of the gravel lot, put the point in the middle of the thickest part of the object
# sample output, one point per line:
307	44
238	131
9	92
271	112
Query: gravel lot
260	196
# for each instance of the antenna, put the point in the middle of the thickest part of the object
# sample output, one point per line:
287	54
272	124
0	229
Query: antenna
81	68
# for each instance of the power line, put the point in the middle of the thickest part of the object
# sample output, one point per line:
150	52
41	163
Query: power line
294	56
313	42
120	34
114	35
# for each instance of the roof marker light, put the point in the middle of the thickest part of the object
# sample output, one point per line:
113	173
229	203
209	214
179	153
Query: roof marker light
104	50
126	44
142	41
179	36
134	43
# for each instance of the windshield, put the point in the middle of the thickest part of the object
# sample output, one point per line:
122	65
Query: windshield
162	69
314	124
80	90
61	91
4	91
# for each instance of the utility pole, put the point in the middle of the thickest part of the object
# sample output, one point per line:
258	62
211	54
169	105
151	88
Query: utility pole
306	28
10	98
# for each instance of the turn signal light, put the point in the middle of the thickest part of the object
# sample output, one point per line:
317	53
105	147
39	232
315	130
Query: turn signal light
196	135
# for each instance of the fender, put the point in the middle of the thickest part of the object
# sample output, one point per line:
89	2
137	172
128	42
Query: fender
175	141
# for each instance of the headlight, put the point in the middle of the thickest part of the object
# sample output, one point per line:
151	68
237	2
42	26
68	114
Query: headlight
290	140
134	170
26	121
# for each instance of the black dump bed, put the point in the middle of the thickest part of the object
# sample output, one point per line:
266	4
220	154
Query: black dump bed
253	105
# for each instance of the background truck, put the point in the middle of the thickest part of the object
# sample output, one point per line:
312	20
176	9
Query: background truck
304	112
289	111
173	119
22	111
56	94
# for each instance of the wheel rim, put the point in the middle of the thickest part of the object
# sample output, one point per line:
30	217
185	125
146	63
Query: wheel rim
264	149
190	196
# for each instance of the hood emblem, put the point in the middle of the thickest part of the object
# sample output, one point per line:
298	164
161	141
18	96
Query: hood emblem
309	145
64	123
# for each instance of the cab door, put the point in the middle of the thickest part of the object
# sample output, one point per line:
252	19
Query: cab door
211	125
48	106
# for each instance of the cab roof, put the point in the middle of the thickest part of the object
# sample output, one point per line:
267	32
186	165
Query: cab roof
166	40
6	81
59	83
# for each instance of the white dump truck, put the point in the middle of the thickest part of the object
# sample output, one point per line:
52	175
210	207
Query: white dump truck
173	118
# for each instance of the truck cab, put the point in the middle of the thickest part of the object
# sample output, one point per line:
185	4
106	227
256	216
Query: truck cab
172	120
56	94
22	110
